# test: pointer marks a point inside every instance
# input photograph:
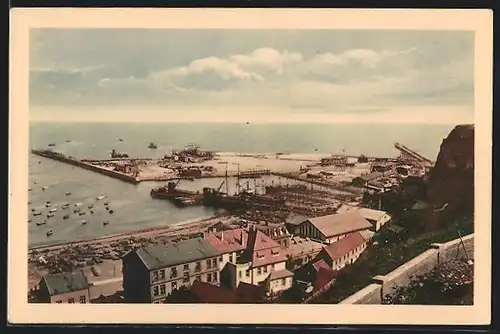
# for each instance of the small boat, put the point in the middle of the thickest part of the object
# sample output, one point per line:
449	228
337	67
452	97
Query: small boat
47	205
67	194
106	203
37	213
48	202
100	197
41	222
65	206
91	206
77	204
33	210
45	188
50	232
53	210
29	189
152	145
92	211
67	141
52	144
111	211
120	139
66	217
84	222
81	213
35	182
50	214
106	222
76	210
107	208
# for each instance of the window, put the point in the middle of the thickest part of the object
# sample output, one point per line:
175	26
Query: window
209	264
155	276
155	291
186	267
265	269
59	302
220	259
173	274
272	267
247	273
231	258
239	273
214	262
198	278
215	277
186	277
162	274
71	300
162	289
198	266
174	285
283	281
83	299
259	271
209	278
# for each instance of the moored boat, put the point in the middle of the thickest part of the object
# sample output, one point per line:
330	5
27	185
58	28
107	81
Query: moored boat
66	217
37	213
84	222
68	193
45	188
81	213
41	222
50	232
100	197
53	210
106	222
50	214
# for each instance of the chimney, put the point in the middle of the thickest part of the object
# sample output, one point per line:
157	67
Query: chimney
222	235
242	239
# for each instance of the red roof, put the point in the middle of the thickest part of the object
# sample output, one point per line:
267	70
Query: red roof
323	276
228	241
343	246
249	293
209	293
321	264
262	250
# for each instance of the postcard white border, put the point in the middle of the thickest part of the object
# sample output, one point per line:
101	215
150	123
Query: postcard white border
19	311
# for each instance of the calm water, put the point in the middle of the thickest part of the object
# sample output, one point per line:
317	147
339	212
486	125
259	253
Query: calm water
134	209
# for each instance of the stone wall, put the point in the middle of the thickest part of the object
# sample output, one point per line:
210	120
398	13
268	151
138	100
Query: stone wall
421	264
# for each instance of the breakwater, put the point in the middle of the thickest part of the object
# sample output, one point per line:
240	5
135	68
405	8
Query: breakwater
82	164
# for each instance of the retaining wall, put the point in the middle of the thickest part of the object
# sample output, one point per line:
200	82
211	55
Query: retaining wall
438	253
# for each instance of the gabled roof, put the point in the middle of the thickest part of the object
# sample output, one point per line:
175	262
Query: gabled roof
340	223
294	219
320	264
277	274
228	241
343	246
263	250
186	251
66	282
369	214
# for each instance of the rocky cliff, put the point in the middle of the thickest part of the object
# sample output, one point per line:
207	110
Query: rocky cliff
451	182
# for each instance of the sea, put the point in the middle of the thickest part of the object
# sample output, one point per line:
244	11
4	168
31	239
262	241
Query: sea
134	209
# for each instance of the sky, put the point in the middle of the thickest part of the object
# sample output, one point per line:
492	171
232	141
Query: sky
142	75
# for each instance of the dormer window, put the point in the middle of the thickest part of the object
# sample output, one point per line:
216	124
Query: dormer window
260	256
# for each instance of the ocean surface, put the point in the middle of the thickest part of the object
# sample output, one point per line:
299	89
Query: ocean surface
133	207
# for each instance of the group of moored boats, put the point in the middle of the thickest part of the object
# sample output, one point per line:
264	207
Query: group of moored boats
77	210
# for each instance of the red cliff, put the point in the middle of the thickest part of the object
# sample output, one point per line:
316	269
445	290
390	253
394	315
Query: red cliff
451	182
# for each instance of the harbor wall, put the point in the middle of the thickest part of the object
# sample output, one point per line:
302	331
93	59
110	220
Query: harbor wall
425	262
84	165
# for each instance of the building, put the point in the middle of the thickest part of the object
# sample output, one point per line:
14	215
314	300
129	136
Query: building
151	273
363	180
63	288
263	262
277	232
342	252
377	218
230	244
330	228
293	221
301	251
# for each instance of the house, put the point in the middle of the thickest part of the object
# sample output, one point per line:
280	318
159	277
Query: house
263	262
330	228
342	252
63	288
315	275
277	232
363	180
377	218
230	244
151	273
302	250
208	293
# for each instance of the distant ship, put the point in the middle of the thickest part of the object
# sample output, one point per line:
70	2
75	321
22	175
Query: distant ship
51	144
152	145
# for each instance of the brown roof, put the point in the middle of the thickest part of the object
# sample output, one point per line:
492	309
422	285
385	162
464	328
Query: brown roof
209	293
280	274
342	247
228	241
249	293
340	223
320	264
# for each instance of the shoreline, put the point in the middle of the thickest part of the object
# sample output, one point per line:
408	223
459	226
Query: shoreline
176	228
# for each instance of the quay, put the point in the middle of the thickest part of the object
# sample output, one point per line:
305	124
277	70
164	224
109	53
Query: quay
85	165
